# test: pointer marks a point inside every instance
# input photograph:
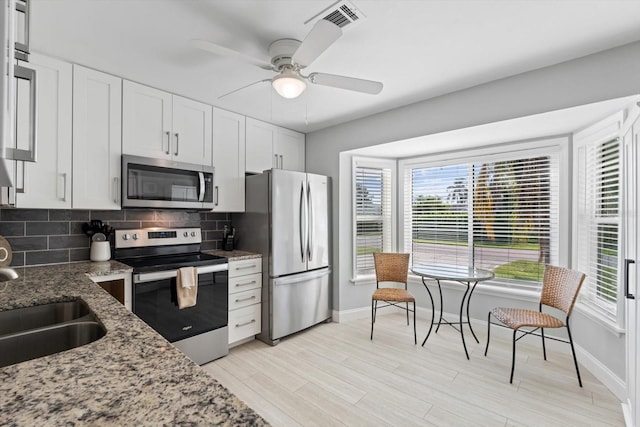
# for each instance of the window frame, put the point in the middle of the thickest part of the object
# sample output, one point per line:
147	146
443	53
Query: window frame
373	163
558	144
599	133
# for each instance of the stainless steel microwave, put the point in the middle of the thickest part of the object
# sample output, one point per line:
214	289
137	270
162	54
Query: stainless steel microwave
158	183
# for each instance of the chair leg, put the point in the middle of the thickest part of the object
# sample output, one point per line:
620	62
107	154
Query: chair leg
373	316
407	304
513	357
544	349
415	335
488	333
573	351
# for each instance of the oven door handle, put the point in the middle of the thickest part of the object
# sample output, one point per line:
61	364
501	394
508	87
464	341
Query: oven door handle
168	274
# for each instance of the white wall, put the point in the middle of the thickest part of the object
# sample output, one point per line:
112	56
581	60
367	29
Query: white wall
606	75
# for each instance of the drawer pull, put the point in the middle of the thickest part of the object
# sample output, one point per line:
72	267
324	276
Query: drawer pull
246	267
253	282
246	299
238	325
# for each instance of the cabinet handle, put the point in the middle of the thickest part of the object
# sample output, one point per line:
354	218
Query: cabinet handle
281	162
246	267
115	190
168	143
216	191
177	143
246	299
64	187
253	282
238	325
627	262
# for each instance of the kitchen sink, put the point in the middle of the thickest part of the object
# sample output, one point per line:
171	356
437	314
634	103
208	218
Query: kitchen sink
37	316
32	332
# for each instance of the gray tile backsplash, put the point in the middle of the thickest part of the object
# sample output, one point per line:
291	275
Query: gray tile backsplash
47	236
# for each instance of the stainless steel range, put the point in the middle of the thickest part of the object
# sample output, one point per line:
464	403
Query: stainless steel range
156	256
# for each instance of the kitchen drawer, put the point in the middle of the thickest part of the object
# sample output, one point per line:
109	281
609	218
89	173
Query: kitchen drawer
245	283
243	299
244	322
246	266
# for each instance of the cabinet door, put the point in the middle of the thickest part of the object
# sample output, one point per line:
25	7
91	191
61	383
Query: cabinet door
146	121
228	160
290	150
191	135
47	183
97	139
261	138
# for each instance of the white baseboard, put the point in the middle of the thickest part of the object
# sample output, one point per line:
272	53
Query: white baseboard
616	385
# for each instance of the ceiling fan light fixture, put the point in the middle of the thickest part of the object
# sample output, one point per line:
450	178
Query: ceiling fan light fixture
288	84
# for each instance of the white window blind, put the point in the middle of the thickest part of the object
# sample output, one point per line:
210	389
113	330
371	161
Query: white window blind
372	211
598	204
501	215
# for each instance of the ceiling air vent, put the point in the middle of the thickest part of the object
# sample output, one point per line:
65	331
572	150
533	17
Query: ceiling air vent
342	13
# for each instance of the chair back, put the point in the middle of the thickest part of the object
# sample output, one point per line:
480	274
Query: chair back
560	287
391	267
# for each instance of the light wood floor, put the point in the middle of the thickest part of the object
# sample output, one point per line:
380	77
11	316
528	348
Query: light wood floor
332	374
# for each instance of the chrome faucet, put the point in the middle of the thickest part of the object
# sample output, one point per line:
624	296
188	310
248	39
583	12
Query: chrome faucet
7	274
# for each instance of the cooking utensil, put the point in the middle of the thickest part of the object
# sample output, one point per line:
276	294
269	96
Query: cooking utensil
99	237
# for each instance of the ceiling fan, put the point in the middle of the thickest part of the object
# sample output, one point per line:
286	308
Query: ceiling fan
289	57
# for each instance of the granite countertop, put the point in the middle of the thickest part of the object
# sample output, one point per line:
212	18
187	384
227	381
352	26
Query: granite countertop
234	255
131	376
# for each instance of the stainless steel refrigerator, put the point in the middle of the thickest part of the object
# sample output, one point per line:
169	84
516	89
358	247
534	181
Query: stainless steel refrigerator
286	219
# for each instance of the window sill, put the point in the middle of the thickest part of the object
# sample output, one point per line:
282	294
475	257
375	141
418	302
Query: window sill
596	317
364	280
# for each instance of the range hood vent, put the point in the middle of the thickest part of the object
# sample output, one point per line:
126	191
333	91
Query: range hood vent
342	13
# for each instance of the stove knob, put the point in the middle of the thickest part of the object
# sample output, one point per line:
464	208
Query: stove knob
186	234
193	234
126	236
135	236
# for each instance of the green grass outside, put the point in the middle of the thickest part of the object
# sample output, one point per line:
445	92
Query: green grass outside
521	270
526	246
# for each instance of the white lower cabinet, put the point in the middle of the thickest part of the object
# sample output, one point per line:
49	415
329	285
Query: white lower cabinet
245	298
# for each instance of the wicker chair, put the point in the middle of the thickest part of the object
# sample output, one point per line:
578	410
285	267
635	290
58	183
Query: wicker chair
559	290
392	267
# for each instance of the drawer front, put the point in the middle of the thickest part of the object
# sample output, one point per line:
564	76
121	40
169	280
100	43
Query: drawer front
243	299
244	322
244	267
245	283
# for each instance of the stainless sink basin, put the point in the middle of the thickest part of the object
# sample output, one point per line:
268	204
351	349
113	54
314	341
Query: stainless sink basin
31	332
37	316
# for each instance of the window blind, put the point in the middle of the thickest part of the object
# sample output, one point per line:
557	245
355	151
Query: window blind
501	215
599	197
372	207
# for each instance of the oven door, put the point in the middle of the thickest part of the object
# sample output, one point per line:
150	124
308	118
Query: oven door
155	302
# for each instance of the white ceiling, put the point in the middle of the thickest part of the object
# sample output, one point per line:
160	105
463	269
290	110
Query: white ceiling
418	49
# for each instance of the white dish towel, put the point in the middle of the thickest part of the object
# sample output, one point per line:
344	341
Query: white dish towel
187	287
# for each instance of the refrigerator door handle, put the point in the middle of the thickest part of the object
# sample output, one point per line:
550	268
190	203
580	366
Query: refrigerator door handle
301	228
309	224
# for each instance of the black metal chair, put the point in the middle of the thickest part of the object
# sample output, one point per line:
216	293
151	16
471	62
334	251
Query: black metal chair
559	290
392	267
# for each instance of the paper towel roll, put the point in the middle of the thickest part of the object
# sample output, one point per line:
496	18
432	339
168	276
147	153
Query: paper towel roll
5	252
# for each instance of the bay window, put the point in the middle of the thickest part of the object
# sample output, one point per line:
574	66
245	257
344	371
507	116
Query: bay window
499	212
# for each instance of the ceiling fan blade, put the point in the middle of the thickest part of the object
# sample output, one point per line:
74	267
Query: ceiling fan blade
322	35
244	87
230	53
343	82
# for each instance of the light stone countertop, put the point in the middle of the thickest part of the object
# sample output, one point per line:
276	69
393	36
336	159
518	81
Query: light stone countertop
235	255
131	376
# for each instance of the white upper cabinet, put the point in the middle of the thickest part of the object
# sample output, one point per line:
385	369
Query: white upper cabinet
47	183
228	160
270	146
290	150
97	139
160	125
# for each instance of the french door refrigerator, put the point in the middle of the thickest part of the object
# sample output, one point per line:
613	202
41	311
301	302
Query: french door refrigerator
286	219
